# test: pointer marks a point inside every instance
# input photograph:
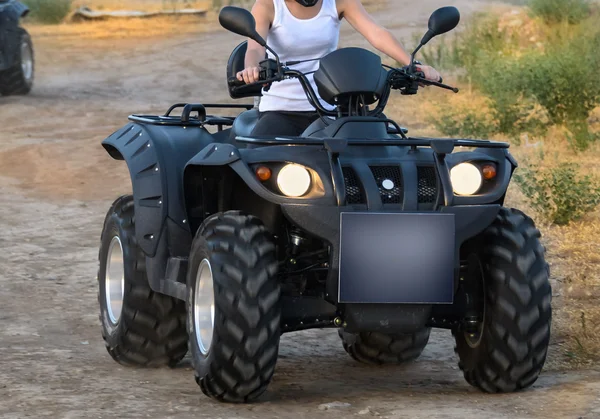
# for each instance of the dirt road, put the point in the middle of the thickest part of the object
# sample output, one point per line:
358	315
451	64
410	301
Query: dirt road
56	183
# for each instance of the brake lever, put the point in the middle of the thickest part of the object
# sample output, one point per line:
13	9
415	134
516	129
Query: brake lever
435	83
419	77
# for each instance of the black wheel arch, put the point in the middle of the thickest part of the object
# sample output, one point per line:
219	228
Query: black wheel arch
10	16
156	157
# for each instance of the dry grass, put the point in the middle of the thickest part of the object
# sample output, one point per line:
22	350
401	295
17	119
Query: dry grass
144	27
145	5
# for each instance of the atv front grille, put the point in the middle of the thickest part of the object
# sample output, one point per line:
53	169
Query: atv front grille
354	191
428	184
389	182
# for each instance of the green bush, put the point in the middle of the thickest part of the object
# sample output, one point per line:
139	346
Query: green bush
49	11
529	89
560	194
463	122
564	81
556	11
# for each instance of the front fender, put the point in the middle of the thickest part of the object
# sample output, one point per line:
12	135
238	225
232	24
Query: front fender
156	156
13	11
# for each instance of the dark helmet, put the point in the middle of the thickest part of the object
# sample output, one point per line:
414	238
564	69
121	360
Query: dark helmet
307	3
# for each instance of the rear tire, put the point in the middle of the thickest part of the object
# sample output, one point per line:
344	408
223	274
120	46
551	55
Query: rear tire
18	79
378	348
140	327
510	352
234	354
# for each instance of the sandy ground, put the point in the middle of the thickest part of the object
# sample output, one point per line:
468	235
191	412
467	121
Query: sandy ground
56	183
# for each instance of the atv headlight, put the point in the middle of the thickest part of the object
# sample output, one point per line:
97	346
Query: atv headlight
466	179
293	180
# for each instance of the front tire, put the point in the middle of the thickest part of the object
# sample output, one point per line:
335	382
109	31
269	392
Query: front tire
234	310
378	348
18	79
140	327
510	351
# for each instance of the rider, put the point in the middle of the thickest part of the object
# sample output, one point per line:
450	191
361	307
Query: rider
304	30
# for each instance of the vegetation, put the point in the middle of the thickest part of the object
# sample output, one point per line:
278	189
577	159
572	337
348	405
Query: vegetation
557	11
559	194
536	74
49	11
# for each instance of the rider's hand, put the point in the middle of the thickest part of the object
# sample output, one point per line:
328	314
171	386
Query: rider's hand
431	73
249	75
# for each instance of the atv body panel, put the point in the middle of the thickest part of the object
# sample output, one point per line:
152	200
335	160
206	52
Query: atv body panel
175	192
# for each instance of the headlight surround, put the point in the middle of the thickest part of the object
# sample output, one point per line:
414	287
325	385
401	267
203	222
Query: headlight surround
294	180
466	179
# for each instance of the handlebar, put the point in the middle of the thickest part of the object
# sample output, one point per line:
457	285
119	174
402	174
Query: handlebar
402	79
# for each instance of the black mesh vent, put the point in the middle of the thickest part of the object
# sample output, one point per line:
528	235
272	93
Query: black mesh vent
389	182
428	188
354	192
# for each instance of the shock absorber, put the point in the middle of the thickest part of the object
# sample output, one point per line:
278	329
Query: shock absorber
296	239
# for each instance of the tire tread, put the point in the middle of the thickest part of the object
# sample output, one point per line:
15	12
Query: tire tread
517	333
153	332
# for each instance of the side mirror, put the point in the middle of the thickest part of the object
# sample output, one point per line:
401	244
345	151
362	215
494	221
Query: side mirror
240	21
441	21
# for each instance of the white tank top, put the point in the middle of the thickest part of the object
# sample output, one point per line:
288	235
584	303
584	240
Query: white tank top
299	39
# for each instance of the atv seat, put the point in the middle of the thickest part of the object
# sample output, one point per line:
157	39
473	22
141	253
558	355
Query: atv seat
244	124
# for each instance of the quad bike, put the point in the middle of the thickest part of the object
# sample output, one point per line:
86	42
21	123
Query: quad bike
16	50
229	240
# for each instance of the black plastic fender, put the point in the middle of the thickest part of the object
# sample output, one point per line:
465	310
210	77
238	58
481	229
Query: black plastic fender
10	16
215	155
12	12
156	156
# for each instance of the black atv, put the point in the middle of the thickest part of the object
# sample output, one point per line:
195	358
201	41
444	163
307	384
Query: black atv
16	50
229	240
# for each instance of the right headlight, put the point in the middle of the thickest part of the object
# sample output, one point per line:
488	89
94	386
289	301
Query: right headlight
466	179
293	180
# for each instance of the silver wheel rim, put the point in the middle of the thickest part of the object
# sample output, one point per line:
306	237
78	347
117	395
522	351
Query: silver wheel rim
26	61
204	307
114	282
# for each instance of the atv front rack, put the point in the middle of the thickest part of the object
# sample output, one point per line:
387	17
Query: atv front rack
335	146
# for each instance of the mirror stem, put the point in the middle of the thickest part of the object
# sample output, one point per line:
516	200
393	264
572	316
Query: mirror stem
268	48
412	57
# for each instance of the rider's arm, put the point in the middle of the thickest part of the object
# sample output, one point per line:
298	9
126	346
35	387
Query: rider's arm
264	13
378	36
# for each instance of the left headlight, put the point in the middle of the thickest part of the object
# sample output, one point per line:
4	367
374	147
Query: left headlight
466	179
293	180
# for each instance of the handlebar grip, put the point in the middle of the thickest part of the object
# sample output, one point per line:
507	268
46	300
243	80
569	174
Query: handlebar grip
234	82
